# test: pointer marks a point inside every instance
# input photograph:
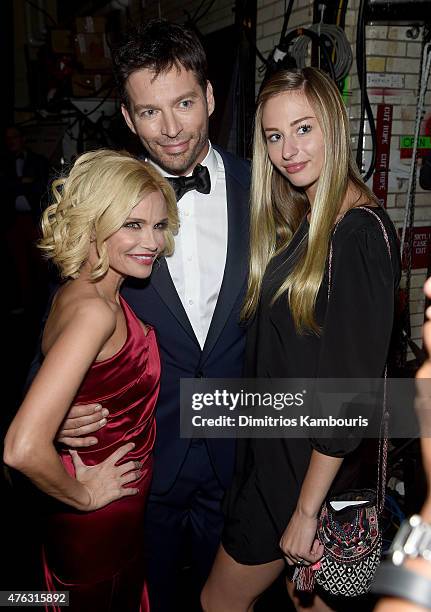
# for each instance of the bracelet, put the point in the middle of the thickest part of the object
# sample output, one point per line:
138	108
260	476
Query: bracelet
397	581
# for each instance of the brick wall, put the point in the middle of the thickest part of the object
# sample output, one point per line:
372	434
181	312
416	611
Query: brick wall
390	50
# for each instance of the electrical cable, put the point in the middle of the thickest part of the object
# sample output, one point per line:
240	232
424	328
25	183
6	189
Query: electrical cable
340	13
195	14
41	10
360	37
284	51
292	49
340	17
424	73
365	103
205	12
372	125
322	8
287	14
329	35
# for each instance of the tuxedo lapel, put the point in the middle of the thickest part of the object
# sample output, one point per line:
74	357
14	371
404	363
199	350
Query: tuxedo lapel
162	282
236	268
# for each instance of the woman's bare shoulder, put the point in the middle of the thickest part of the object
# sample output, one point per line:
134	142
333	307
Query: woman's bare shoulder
81	309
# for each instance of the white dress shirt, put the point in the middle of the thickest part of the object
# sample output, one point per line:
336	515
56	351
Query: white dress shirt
198	262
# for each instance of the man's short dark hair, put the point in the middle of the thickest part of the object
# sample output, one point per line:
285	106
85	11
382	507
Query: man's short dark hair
158	46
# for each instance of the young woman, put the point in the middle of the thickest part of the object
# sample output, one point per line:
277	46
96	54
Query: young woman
304	181
112	218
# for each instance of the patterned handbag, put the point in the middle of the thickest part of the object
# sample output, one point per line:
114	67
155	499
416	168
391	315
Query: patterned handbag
352	541
348	524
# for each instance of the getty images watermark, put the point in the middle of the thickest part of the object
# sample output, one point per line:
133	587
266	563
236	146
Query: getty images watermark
278	401
298	408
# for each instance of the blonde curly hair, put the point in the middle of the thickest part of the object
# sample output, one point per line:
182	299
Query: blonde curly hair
92	203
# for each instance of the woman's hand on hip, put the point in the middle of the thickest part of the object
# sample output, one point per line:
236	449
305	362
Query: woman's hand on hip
105	481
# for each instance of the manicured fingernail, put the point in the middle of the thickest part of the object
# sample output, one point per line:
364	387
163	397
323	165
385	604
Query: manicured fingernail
97	408
102	422
93	442
105	412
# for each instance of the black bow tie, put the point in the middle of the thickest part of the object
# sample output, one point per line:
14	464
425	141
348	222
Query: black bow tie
200	180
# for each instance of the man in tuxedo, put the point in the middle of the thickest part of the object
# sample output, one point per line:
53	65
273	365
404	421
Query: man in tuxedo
193	298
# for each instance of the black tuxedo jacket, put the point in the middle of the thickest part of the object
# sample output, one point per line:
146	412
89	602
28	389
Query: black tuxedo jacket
156	302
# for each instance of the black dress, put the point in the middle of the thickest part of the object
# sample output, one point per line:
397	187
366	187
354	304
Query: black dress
356	326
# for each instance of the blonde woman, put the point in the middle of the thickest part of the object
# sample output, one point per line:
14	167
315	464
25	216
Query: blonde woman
112	217
304	180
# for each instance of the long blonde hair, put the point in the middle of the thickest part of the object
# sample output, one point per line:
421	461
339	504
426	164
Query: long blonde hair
277	207
92	203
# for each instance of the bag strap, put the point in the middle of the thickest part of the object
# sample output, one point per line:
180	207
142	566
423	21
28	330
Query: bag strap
384	232
383	433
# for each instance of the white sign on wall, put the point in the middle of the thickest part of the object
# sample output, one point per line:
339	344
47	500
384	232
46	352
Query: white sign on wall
382	79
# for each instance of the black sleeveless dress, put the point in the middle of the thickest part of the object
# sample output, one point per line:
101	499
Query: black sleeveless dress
356	326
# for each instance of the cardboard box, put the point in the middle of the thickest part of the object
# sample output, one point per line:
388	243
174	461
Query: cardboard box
92	51
91	85
90	25
61	41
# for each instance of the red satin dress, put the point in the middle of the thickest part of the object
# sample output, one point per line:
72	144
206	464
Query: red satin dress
97	556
